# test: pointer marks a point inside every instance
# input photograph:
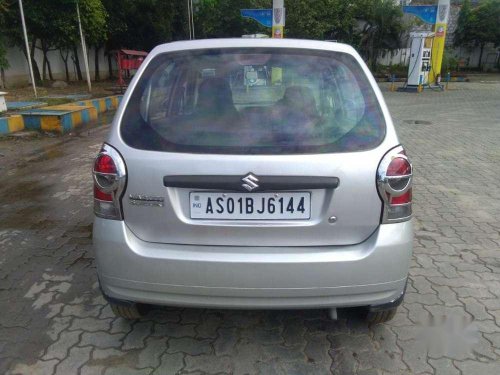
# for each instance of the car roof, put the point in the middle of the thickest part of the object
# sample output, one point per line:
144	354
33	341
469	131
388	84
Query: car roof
253	43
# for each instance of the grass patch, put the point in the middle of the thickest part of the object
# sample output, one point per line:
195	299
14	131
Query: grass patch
57	101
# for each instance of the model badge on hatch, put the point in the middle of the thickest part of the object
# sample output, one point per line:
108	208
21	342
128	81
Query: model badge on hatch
145	200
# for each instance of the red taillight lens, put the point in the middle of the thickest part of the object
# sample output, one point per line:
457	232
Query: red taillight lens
398	167
104	164
102	196
394	180
402	199
109	182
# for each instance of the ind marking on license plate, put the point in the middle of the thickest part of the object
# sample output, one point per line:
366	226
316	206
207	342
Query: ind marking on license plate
250	206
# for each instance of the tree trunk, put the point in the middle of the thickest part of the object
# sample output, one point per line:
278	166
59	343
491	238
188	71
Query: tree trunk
45	61
65	60
2	78
480	55
36	71
97	75
110	66
44	67
49	68
373	60
76	60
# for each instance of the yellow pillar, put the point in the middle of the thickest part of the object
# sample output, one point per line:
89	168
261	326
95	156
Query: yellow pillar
439	39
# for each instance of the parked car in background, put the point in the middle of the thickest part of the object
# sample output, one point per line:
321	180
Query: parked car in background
253	173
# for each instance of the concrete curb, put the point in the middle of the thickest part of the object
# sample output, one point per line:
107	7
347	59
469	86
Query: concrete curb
403	79
59	118
103	104
11	124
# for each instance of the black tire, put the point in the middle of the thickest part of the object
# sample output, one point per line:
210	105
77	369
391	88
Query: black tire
378	317
126	311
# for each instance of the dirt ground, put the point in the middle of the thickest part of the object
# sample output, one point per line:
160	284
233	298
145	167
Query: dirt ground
21	148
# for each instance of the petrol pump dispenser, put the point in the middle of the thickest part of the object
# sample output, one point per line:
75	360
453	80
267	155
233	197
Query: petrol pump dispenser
420	60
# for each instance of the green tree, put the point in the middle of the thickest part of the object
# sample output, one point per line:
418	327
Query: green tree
143	24
317	19
13	32
3	47
320	19
485	26
382	28
116	27
222	18
94	23
461	36
52	25
67	36
94	20
478	26
4	64
3	54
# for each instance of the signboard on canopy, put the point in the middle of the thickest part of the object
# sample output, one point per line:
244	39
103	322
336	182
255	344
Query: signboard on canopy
426	13
262	16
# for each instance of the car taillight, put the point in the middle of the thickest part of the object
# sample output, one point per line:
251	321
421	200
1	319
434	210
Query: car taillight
110	177
394	181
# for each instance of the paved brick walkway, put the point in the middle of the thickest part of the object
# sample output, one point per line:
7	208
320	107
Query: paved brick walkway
53	319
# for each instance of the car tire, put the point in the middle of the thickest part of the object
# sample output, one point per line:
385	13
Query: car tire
378	317
129	311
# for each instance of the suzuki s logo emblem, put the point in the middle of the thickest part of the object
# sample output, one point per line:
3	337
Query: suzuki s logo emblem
250	182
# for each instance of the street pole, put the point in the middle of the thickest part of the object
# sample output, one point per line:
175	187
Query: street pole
84	47
192	17
27	47
189	18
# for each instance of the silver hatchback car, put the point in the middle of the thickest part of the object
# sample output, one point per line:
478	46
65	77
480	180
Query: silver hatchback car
253	173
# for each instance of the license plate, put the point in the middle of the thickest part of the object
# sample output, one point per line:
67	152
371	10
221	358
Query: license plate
254	206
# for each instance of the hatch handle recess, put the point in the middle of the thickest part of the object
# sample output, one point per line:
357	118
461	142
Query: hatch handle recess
265	183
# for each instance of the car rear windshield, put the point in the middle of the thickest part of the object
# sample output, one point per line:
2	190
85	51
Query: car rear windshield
253	101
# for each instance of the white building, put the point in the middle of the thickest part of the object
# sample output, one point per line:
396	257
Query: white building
18	72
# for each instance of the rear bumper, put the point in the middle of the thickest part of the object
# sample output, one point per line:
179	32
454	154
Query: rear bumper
370	273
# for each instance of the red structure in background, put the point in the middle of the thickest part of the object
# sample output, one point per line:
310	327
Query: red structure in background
128	60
